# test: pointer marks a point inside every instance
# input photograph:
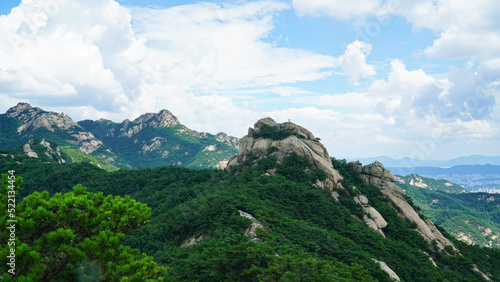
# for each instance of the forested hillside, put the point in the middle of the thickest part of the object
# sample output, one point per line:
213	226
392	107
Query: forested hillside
306	234
471	217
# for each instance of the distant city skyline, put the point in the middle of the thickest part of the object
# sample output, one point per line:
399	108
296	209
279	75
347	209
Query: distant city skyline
370	78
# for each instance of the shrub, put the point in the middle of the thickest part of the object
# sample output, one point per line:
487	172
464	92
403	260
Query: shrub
272	132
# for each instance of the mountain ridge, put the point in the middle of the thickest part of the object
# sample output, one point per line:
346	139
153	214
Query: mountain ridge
152	139
361	228
410	162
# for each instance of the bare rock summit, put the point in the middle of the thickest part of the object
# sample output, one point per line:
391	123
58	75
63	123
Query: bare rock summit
269	138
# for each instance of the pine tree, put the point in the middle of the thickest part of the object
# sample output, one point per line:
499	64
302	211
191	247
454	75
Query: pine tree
75	236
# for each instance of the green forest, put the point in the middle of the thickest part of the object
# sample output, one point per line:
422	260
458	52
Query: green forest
474	217
77	222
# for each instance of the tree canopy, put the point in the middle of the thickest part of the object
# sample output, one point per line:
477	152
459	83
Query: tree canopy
75	236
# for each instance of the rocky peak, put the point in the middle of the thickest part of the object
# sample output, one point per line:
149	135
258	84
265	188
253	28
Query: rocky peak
37	118
268	138
162	119
226	139
375	174
20	108
32	118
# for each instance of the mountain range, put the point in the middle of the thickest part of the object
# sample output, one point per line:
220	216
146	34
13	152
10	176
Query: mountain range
469	176
282	210
410	162
151	140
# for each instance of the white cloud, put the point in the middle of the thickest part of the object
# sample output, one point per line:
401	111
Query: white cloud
353	61
66	51
86	58
352	99
415	94
336	8
224	47
467	29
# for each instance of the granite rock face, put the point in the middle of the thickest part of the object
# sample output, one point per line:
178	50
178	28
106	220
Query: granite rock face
372	217
162	119
251	231
300	141
375	174
34	118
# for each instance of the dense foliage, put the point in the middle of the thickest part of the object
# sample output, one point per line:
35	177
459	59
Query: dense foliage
307	235
272	132
73	236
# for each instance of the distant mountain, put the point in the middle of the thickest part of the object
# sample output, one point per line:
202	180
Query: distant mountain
469	176
429	183
151	140
473	218
409	162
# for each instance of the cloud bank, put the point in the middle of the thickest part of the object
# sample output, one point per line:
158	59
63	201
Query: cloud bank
217	67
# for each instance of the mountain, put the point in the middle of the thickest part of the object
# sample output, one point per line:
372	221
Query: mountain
153	139
471	217
468	176
411	163
280	212
429	183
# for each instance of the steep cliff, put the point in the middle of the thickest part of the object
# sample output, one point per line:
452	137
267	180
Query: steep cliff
375	174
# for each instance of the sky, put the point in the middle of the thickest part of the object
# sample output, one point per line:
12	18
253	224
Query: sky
398	78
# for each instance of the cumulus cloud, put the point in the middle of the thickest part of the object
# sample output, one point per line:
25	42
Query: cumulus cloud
69	52
227	45
467	29
99	58
353	61
336	8
415	94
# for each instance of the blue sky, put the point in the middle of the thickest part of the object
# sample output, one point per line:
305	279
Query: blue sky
369	77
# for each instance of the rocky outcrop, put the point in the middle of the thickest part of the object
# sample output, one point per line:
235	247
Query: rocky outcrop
372	217
194	240
375	174
162	119
36	118
54	154
387	269
28	152
51	151
300	141
251	231
226	139
33	118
